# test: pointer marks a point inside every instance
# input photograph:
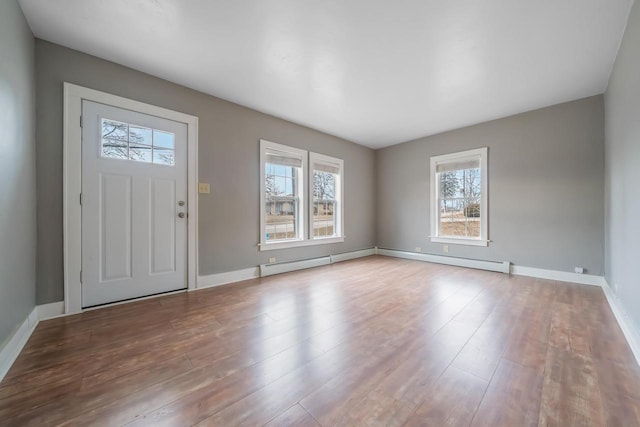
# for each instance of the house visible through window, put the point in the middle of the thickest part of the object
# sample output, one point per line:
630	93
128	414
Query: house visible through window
459	198
327	196
299	207
283	194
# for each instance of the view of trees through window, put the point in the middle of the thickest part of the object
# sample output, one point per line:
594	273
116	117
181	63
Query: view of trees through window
282	202
324	204
125	141
459	202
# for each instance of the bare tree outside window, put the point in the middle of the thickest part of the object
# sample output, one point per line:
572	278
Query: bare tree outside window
124	141
460	199
324	204
281	202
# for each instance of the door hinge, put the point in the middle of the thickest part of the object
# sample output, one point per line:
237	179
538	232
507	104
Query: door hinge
80	198
80	276
80	121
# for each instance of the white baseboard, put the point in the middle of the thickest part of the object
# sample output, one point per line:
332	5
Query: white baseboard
285	267
500	267
630	331
352	255
560	276
51	310
219	279
12	347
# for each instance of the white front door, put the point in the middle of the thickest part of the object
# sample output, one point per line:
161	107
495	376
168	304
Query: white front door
134	204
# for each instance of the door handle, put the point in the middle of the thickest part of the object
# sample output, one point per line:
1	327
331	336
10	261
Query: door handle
181	215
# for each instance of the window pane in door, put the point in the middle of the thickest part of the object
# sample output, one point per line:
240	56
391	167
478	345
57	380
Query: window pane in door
140	135
140	153
163	139
115	149
138	143
163	157
115	130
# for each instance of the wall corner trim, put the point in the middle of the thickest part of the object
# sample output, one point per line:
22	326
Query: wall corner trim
631	333
51	310
10	350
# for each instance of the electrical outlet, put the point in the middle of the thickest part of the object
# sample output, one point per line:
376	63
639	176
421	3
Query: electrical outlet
204	188
418	249
272	260
579	270
445	248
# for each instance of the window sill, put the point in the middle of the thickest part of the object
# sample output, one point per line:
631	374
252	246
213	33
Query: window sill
459	241
299	243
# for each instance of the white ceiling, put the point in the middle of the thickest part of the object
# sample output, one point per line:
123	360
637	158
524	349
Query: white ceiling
376	72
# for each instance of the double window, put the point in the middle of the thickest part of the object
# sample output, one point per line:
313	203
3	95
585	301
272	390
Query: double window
459	198
300	197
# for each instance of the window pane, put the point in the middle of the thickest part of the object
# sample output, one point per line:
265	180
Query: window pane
459	203
140	135
114	130
281	220
114	149
163	139
132	142
163	157
324	204
140	153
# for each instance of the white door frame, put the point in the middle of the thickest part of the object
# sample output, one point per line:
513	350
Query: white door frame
72	184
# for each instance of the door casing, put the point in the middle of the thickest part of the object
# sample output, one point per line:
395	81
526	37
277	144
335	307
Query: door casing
72	184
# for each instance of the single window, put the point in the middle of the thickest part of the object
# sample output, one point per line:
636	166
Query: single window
282	189
459	198
126	141
326	188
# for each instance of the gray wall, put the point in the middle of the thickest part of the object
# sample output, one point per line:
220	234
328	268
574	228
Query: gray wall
546	174
228	159
622	171
17	169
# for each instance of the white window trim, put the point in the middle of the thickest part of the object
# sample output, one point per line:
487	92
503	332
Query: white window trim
484	232
302	185
315	158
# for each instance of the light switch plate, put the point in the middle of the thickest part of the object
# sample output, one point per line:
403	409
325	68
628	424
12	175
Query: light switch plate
204	188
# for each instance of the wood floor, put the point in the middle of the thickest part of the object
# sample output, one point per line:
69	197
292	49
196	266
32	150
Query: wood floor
375	341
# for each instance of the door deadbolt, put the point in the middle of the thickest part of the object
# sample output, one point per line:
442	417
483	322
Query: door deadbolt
181	215
180	203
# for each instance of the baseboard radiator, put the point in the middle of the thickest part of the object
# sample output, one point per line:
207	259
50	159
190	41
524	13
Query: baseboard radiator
285	267
501	267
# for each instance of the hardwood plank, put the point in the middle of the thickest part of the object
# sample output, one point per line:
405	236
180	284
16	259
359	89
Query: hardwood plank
513	397
570	392
295	416
481	355
453	400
